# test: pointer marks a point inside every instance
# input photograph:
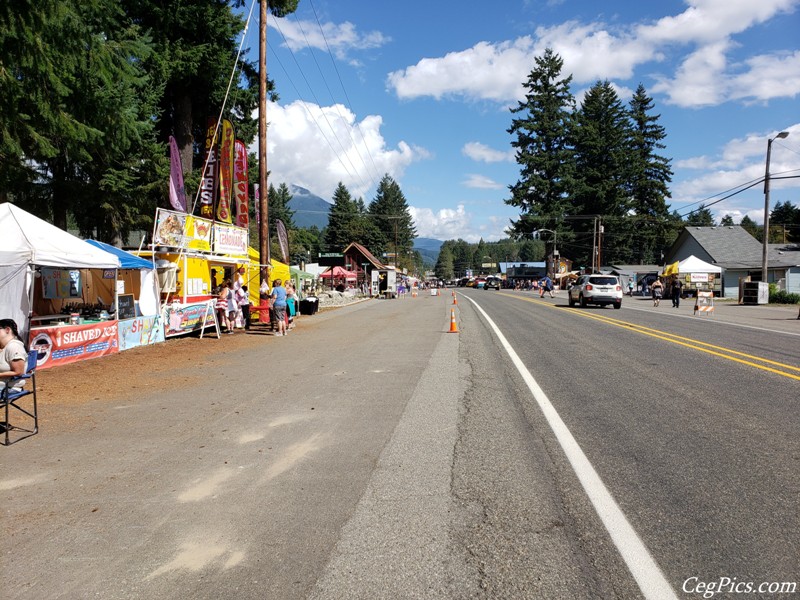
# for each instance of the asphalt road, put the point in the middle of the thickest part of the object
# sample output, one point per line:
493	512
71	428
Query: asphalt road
373	454
689	421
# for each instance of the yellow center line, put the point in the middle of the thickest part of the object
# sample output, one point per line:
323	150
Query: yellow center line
719	351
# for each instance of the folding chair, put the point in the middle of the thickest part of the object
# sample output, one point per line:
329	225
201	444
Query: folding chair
10	397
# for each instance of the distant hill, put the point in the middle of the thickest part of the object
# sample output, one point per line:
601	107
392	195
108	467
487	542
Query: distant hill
309	209
428	249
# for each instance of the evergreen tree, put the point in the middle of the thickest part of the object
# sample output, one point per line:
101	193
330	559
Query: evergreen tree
462	257
700	217
650	175
726	221
784	221
340	220
363	229
543	151
752	228
444	263
278	206
77	118
392	218
601	136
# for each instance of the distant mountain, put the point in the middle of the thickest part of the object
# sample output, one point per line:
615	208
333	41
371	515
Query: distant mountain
309	210
428	249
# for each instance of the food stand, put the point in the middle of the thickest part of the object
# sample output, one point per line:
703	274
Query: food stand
47	285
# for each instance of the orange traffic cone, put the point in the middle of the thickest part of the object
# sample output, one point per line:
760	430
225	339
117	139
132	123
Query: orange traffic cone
453	326
455	300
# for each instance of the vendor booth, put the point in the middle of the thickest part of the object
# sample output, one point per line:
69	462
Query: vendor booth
696	275
47	285
135	294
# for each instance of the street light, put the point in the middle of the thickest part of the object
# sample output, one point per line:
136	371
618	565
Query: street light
555	250
764	249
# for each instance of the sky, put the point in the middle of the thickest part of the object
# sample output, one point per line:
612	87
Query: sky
422	91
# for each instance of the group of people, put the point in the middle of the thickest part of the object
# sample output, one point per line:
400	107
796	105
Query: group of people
675	290
233	303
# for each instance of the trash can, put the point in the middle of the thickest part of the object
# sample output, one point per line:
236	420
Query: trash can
309	306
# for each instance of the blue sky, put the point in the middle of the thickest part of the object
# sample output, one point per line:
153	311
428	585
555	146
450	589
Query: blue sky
422	91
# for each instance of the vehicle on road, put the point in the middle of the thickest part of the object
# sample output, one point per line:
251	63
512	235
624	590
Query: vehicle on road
492	283
596	289
479	282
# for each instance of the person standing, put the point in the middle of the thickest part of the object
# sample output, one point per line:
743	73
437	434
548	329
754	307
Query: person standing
279	305
546	285
231	306
243	297
657	290
13	356
677	289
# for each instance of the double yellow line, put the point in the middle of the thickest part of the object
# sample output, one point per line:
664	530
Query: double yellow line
758	362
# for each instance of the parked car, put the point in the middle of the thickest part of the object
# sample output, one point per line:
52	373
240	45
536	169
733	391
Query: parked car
596	289
492	283
479	282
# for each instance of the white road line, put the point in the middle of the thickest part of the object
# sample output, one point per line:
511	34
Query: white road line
637	557
713	320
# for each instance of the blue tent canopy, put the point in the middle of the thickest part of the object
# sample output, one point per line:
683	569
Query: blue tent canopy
126	259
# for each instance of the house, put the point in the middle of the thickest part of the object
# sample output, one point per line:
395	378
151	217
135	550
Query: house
739	255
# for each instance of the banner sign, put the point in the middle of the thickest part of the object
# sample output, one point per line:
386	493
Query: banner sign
230	240
185	318
198	233
140	331
208	184
65	344
227	143
257	201
177	192
240	185
283	239
170	228
61	283
701	277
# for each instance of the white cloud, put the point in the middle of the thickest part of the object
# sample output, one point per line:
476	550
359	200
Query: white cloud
340	38
317	147
451	224
741	161
483	153
491	71
481	182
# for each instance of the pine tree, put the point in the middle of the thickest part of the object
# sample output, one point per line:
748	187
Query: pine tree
392	218
278	206
601	140
700	217
444	262
340	219
726	221
752	227
543	151
650	175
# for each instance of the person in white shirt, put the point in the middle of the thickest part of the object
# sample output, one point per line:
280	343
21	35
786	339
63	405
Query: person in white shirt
13	355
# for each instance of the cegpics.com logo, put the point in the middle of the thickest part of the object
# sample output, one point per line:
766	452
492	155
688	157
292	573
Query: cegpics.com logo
732	585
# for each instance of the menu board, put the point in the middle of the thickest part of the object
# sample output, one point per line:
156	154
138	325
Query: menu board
126	307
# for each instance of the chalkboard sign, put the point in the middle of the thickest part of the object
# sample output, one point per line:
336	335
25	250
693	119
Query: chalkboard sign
126	307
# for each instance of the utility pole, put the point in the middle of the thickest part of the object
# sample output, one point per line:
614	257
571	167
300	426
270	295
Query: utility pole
263	210
765	245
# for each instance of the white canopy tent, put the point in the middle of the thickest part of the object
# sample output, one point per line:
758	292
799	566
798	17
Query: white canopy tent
692	264
28	242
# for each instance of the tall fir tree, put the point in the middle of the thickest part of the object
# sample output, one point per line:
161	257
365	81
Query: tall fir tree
542	148
343	214
650	174
601	138
700	217
444	262
392	218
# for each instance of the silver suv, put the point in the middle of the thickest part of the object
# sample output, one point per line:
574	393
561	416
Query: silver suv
596	289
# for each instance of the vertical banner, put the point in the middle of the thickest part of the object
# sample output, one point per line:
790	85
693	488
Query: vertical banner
283	239
240	185
208	185
226	153
177	193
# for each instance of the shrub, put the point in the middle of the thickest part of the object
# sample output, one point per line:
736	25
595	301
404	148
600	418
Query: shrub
777	296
